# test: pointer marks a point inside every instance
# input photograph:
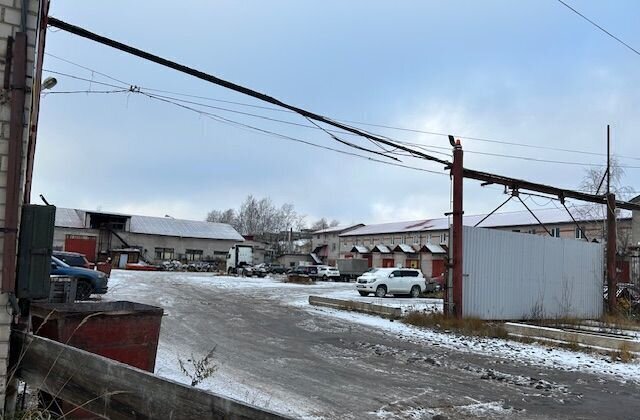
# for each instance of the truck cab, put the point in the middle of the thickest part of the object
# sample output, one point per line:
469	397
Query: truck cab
238	257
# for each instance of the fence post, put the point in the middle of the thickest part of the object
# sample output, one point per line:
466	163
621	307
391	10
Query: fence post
612	244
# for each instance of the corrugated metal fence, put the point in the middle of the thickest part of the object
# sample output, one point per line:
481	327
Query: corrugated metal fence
511	275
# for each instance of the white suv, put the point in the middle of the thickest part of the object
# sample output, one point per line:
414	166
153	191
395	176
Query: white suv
326	272
397	281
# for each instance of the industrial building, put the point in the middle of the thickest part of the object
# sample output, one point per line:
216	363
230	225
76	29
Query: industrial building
423	243
127	238
325	243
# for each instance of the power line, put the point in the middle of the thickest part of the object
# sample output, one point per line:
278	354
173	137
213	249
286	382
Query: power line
83	67
599	27
390	127
231	86
221	119
59	92
330	133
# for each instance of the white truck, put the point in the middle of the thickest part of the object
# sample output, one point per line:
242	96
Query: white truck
238	257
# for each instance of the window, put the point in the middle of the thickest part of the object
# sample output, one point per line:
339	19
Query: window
403	240
579	233
555	232
193	254
333	246
443	238
397	273
164	254
516	230
409	273
532	231
393	240
317	236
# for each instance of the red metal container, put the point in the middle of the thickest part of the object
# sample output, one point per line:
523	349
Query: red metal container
124	331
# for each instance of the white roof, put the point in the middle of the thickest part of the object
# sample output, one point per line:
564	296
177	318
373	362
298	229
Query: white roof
435	248
360	249
406	248
513	218
382	249
166	226
336	229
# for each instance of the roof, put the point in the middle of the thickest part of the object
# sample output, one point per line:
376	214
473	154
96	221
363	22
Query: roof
382	249
360	249
165	226
435	248
514	218
408	249
335	229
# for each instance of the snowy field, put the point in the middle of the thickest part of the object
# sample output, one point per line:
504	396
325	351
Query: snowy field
532	370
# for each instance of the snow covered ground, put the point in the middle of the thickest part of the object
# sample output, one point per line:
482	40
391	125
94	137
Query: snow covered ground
537	370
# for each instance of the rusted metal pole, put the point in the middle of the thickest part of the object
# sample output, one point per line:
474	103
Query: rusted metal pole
16	130
456	236
612	242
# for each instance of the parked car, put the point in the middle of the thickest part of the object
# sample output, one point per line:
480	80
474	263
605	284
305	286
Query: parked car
89	281
276	269
248	270
74	259
397	281
309	270
325	272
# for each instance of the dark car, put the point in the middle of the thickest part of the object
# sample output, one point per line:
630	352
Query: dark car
277	269
89	281
74	259
308	270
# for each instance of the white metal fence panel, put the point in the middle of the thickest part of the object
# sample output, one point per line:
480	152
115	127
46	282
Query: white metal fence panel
510	275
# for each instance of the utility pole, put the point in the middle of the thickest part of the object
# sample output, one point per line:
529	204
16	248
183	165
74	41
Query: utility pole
612	240
457	171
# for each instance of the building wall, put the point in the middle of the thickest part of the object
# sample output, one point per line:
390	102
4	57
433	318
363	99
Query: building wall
636	227
332	240
211	248
293	260
10	25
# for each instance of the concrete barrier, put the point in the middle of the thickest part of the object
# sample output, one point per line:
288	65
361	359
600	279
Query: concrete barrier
594	340
350	305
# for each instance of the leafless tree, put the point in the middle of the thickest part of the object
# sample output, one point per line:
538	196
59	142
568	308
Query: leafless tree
227	216
324	224
594	182
259	216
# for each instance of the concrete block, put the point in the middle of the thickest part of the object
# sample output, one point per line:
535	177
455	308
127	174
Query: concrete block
595	340
11	16
350	305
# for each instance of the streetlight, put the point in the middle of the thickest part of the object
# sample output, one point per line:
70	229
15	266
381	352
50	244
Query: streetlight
48	83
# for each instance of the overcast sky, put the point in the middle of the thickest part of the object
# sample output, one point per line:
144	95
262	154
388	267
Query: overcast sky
526	71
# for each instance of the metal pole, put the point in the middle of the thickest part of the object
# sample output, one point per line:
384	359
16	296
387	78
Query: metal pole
608	161
456	236
611	252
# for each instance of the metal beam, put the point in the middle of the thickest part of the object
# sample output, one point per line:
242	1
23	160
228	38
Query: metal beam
520	184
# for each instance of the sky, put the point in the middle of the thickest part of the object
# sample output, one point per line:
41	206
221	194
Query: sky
528	71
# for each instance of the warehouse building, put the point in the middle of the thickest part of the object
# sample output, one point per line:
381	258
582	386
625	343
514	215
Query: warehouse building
423	243
325	243
125	237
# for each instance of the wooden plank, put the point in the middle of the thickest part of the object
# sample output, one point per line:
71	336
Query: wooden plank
114	390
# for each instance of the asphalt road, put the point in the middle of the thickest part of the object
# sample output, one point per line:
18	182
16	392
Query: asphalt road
312	365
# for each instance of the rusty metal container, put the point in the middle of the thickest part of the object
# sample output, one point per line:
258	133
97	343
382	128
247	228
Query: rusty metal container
124	331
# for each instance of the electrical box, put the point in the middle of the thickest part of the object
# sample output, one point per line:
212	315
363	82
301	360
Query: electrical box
35	246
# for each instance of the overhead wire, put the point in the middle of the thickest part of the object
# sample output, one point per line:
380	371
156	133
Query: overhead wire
598	26
221	119
427	147
412	130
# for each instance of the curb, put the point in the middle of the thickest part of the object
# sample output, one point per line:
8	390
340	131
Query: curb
350	305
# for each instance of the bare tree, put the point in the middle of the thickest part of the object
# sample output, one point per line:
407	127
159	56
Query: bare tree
324	224
594	182
259	216
227	216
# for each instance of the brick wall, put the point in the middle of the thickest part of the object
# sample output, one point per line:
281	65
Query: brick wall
10	25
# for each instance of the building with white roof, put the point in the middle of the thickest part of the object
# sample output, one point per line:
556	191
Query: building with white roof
325	243
99	234
423	243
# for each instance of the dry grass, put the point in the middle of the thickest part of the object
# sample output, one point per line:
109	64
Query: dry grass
467	326
623	354
298	279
